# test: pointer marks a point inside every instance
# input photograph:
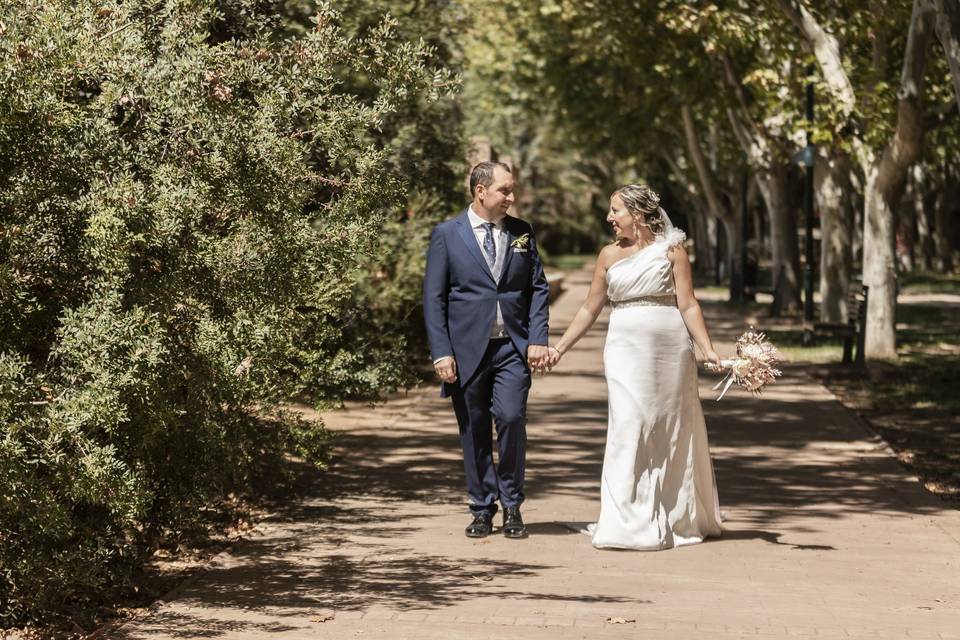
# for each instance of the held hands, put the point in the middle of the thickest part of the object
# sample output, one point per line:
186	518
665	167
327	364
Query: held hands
541	358
537	356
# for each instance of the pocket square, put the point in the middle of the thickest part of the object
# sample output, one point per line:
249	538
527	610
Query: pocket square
517	250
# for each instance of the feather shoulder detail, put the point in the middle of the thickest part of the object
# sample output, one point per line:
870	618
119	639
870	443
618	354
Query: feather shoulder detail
673	237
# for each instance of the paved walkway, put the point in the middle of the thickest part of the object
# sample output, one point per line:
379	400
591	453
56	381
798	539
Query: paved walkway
826	534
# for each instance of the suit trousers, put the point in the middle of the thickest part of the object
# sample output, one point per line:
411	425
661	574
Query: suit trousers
496	395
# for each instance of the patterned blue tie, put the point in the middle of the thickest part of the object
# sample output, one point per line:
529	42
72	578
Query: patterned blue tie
489	247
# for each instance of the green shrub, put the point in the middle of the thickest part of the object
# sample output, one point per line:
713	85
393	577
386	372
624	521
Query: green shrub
374	340
184	195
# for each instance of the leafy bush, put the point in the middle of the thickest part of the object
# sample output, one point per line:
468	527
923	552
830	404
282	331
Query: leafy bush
184	196
375	339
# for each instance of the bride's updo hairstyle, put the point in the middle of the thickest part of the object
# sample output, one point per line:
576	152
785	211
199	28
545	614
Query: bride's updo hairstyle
644	203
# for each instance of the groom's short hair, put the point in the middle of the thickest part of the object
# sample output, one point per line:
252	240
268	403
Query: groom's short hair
482	173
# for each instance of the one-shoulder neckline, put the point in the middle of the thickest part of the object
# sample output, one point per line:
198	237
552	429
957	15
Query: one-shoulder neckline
633	255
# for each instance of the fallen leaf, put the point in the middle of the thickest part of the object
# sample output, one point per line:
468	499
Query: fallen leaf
620	620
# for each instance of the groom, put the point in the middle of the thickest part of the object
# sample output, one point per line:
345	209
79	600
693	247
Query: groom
485	304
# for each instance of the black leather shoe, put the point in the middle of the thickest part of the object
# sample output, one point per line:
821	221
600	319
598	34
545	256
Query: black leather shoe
481	526
513	523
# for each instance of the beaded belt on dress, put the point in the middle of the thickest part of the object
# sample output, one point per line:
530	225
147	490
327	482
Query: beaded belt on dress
657	300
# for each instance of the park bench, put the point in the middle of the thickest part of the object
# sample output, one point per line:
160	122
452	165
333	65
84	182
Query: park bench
854	329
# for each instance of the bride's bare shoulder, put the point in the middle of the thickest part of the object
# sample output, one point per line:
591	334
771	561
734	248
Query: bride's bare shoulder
608	255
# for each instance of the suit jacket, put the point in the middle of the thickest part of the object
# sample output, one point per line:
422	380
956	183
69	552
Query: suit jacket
460	294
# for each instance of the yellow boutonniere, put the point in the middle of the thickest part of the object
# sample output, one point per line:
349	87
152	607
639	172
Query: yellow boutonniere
521	242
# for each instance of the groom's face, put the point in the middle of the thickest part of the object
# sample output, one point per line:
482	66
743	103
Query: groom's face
498	197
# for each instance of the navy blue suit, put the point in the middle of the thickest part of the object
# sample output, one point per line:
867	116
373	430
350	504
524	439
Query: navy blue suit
460	299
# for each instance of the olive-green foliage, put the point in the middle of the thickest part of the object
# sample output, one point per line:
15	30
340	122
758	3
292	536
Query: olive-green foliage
376	339
564	179
185	192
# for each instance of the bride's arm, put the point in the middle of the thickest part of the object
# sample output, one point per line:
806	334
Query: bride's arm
688	305
591	308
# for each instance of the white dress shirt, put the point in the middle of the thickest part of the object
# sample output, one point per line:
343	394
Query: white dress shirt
500	241
500	238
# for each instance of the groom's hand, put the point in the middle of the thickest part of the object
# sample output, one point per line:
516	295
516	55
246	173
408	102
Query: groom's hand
446	369
538	356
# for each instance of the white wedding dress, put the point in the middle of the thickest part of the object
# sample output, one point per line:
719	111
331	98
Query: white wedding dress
658	489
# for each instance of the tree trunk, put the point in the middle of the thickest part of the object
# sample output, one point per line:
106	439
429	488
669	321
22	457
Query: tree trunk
857	203
922	213
884	174
906	236
731	229
948	31
702	244
943	218
826	50
885	179
784	241
773	180
832	177
699	234
758	241
713	239
711	192
697	220
879	264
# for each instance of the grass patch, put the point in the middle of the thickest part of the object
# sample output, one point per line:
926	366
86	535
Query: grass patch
923	329
930	282
790	343
914	381
927	326
793	338
568	261
819	354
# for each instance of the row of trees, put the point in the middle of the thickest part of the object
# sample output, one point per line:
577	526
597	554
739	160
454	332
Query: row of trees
207	207
707	102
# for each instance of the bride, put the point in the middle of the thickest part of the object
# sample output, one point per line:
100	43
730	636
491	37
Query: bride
657	489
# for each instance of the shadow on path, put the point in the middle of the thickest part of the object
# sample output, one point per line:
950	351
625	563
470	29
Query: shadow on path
372	532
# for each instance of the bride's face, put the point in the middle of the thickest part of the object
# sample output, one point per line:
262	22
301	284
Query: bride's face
620	219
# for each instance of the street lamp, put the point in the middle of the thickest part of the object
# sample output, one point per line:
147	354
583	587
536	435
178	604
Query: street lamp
809	156
738	275
806	159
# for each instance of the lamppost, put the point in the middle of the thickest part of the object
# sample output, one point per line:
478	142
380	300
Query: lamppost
806	158
738	275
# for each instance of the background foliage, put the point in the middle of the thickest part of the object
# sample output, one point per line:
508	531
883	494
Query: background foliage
192	197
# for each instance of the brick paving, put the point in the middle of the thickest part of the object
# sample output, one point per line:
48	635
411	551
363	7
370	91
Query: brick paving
826	534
